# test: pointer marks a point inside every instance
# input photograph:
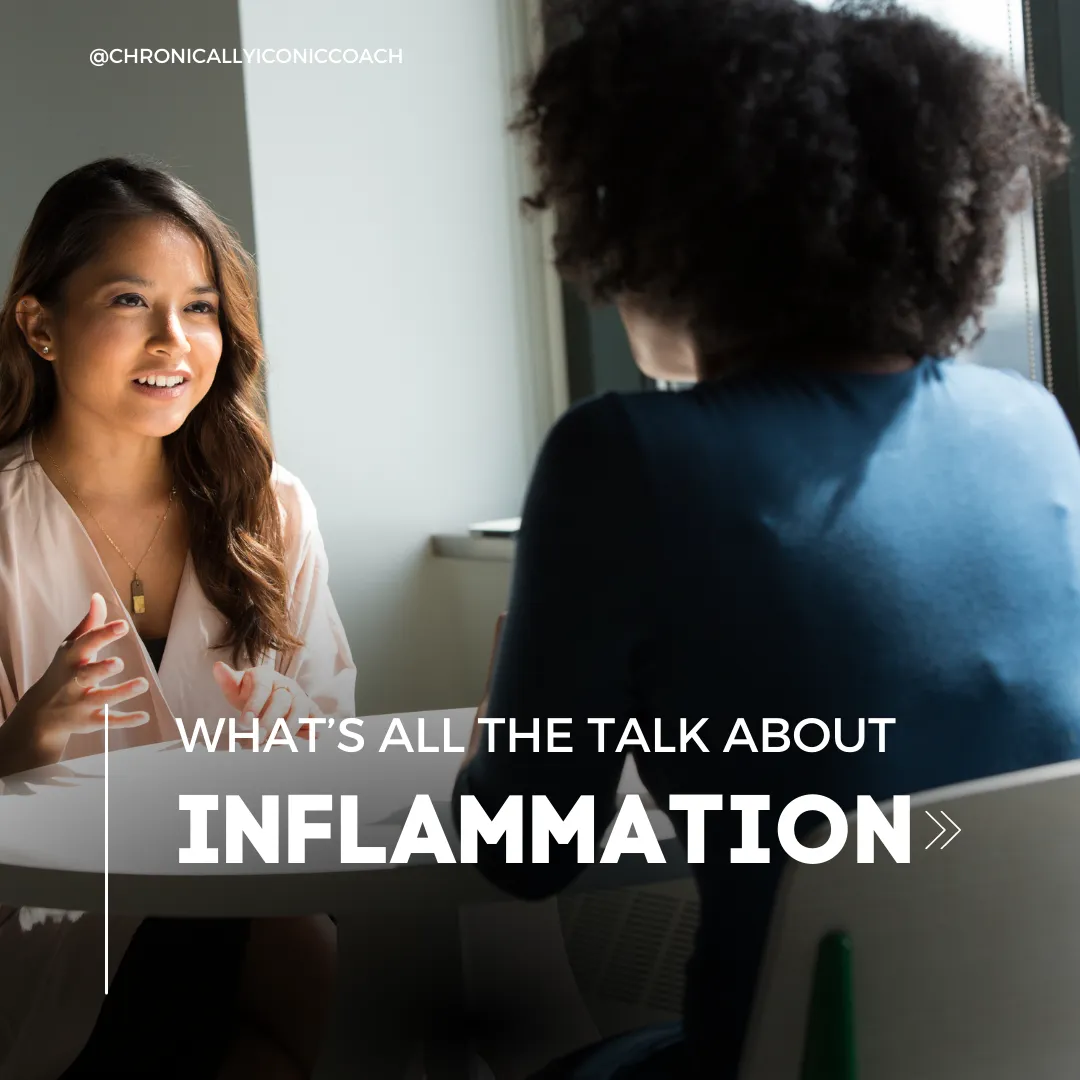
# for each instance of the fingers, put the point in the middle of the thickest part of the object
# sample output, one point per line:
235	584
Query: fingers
231	683
258	690
265	697
87	676
94	618
290	704
85	648
95	721
128	719
249	691
303	708
113	695
291	716
302	731
278	707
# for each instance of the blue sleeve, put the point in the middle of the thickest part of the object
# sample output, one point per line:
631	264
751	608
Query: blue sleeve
575	635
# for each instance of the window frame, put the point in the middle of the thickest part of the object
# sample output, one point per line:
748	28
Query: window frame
1054	34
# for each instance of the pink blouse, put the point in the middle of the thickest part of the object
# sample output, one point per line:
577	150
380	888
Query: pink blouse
50	990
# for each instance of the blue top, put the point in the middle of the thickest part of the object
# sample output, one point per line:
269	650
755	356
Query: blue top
818	544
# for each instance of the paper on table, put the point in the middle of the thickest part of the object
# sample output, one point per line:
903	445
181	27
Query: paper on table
498	527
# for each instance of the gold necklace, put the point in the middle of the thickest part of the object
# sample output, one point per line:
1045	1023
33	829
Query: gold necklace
138	597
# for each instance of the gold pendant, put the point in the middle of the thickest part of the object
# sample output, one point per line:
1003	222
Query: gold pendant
138	598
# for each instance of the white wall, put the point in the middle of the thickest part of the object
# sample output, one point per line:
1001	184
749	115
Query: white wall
407	382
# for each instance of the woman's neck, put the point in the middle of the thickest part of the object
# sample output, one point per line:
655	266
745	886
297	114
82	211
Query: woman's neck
728	363
886	364
101	463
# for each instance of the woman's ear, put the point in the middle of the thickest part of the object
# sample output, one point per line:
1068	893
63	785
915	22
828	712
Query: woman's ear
33	321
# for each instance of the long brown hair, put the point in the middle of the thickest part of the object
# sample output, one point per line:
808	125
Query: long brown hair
221	456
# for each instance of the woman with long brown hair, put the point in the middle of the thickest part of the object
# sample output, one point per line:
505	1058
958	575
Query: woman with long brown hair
146	532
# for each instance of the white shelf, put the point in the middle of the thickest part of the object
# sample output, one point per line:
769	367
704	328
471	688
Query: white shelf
464	546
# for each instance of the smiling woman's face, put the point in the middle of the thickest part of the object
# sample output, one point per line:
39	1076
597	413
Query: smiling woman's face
137	340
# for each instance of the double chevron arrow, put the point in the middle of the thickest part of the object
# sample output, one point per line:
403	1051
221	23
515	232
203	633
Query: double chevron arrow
943	829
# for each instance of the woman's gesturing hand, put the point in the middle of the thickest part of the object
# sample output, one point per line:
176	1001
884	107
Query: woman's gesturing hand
69	698
262	695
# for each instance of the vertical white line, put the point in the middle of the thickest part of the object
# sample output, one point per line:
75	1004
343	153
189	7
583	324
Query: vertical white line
106	850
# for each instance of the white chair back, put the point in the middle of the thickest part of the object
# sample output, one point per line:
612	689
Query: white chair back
965	963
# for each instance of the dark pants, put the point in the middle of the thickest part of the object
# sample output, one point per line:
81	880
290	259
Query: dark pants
170	1009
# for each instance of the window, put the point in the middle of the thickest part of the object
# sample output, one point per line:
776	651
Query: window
1053	34
1013	337
1035	303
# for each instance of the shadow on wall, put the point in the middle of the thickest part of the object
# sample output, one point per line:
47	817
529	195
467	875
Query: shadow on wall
428	646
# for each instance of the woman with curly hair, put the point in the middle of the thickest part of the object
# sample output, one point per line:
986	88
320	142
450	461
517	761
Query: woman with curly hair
805	211
146	532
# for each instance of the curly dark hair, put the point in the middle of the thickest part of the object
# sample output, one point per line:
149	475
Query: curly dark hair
775	176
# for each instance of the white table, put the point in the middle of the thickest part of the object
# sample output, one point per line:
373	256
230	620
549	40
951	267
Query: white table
52	837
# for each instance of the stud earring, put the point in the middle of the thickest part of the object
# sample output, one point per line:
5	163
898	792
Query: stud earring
45	348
